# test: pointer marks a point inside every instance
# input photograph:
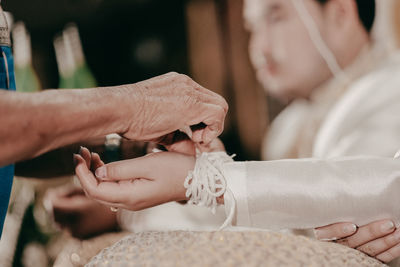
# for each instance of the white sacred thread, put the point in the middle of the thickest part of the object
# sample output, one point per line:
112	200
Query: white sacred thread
207	182
319	43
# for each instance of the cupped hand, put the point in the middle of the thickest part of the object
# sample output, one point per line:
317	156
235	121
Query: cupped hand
171	102
379	239
134	184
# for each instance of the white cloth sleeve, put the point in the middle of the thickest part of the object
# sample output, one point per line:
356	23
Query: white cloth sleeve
308	193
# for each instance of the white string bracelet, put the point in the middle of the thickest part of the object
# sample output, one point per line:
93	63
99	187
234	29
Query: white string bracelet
207	182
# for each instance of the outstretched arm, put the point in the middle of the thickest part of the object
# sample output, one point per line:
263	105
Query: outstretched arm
33	123
280	194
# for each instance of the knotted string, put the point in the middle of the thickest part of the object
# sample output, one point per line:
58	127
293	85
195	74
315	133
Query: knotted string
206	183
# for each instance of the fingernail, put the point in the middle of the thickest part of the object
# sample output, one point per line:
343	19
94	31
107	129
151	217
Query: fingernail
318	234
82	148
387	226
213	127
75	158
349	229
101	172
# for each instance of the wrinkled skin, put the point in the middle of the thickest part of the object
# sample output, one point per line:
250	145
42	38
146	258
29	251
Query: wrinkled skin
150	110
172	101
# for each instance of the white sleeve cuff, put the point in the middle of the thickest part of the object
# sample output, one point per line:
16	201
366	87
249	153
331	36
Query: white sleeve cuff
235	175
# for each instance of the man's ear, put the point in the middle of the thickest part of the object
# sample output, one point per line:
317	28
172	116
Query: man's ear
341	14
342	22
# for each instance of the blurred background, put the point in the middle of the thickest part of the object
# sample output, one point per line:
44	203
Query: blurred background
87	43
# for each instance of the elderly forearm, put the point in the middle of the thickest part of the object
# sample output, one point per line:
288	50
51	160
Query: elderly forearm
33	123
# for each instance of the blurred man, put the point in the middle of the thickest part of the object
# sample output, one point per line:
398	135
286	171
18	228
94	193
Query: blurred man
319	55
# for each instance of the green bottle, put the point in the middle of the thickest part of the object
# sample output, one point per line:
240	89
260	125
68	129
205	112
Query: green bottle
25	76
82	74
65	64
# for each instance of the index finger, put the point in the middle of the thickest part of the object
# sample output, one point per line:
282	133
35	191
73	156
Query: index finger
219	99
335	231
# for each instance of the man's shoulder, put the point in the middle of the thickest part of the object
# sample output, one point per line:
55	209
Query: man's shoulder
384	79
385	68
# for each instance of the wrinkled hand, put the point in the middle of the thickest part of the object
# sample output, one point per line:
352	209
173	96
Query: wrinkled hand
171	102
81	216
137	183
380	239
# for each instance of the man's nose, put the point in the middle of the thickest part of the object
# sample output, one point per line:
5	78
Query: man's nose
259	47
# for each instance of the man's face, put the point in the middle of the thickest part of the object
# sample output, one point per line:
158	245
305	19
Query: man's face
286	61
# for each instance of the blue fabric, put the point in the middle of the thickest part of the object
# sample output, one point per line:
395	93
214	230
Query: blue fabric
6	173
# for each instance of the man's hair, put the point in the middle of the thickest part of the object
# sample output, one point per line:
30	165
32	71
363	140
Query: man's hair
366	12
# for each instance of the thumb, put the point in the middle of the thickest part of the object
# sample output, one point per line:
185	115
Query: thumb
126	169
184	147
210	133
214	122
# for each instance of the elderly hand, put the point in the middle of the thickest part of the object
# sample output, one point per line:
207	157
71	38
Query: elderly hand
137	183
171	102
378	239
